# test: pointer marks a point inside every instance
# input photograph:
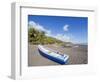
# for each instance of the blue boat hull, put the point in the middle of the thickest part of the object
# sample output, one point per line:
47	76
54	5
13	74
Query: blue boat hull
52	58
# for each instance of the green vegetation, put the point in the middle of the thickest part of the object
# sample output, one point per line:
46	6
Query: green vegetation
39	37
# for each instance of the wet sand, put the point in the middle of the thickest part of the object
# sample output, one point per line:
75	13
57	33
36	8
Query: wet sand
77	55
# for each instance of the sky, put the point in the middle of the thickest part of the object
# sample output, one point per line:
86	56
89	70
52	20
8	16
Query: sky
65	28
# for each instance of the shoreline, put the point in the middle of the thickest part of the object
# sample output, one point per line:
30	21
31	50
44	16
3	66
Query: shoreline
77	55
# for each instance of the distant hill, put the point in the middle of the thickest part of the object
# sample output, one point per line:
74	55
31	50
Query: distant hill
39	37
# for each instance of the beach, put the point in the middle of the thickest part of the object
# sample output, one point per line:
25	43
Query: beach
77	55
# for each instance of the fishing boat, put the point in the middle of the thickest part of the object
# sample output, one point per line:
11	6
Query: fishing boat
54	56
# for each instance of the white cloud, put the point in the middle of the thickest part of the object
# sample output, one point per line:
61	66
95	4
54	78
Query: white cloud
39	27
63	37
65	28
48	33
32	23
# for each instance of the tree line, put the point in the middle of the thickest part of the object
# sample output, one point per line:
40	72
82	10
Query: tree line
39	37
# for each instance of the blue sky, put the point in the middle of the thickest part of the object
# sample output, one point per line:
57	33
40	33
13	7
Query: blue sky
64	28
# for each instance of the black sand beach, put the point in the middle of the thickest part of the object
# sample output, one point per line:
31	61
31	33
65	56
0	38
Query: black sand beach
77	55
